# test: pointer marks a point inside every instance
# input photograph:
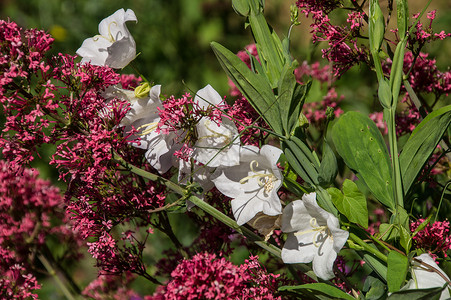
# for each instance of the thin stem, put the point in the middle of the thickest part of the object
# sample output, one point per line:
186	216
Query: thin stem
48	266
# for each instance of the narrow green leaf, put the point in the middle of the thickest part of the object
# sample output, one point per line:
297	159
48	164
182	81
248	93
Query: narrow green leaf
406	239
418	294
362	147
384	93
318	291
377	265
402	14
329	168
241	7
287	85
398	265
396	73
299	162
351	203
422	143
376	25
296	119
267	49
256	90
388	231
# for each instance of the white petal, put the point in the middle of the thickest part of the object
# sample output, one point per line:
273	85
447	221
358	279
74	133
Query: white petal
295	217
121	53
293	252
323	262
207	96
217	145
227	180
426	279
245	207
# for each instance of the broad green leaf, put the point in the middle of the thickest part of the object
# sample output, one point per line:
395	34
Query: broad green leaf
317	291
351	203
329	168
418	294
254	87
375	288
398	265
362	147
422	143
406	239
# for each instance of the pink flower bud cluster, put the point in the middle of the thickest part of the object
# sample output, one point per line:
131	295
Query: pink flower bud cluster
434	238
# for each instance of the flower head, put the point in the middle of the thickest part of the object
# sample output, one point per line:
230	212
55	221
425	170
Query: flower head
217	143
253	183
313	235
114	46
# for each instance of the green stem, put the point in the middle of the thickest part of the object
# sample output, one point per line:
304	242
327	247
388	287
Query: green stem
396	170
367	248
53	273
169	184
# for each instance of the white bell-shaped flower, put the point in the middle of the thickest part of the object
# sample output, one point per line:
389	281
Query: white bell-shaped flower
314	235
114	46
253	184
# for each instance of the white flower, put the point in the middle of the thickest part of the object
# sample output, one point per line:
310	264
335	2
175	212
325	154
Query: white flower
217	145
253	183
424	278
144	117
313	235
114	46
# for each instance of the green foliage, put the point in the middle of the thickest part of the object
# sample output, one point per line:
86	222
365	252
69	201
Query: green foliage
316	291
418	294
397	270
351	203
422	143
329	167
360	143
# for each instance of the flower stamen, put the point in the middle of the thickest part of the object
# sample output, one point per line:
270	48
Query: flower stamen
110	37
318	230
227	138
265	180
149	128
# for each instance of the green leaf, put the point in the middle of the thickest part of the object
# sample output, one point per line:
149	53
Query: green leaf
351	203
376	264
241	7
329	168
287	85
317	291
296	119
418	294
268	50
406	239
361	145
253	86
422	143
375	288
402	14
388	231
398	265
397	71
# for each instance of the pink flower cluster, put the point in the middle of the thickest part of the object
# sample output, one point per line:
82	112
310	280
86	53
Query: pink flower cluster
424	34
343	50
30	211
111	287
205	276
434	238
315	112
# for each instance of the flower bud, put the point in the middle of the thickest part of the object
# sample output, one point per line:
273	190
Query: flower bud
142	90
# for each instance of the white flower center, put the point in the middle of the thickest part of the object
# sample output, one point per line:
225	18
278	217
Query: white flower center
322	233
265	180
149	128
214	134
110	37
